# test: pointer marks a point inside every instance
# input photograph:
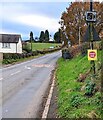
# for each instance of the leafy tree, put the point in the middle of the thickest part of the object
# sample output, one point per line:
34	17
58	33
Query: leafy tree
46	36
73	20
57	37
42	36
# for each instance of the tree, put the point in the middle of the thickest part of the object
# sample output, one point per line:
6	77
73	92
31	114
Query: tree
31	39
46	36
73	19
36	39
57	37
42	36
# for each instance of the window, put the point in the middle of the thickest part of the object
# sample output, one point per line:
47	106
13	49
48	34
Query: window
5	45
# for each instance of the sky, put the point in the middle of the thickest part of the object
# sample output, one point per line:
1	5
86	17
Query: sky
23	16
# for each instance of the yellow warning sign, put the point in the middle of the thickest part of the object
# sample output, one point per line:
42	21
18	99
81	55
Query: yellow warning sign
92	54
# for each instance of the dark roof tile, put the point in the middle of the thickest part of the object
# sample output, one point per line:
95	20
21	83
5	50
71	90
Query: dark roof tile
9	38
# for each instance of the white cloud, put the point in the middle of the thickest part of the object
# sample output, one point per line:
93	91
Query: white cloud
19	15
39	21
8	32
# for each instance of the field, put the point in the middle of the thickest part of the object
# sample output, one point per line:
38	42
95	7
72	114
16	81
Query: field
76	99
41	46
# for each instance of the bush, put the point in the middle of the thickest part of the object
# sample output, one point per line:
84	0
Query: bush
84	48
7	56
27	48
76	100
66	53
34	53
98	45
90	88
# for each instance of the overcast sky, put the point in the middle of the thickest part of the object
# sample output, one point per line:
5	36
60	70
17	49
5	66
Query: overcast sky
23	16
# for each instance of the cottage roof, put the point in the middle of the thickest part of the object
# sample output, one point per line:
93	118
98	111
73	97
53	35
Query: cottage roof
9	38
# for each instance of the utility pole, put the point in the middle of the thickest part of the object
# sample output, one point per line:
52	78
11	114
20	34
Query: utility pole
79	36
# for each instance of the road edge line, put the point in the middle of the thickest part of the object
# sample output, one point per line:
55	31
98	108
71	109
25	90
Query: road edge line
47	105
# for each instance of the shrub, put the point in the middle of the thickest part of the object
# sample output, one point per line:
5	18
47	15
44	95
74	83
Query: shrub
90	88
15	56
66	53
7	56
26	47
76	100
97	45
84	48
35	53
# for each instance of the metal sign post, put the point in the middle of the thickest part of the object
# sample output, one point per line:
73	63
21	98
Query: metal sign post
91	38
91	18
91	34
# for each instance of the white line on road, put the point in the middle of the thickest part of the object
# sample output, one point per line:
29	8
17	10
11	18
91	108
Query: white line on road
46	109
26	67
15	72
42	65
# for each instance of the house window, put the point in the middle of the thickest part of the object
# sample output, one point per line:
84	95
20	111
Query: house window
5	45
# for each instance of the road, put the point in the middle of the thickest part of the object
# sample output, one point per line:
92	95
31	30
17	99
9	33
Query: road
24	84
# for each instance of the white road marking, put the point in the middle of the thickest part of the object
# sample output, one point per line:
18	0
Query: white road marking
26	67
15	72
42	65
46	109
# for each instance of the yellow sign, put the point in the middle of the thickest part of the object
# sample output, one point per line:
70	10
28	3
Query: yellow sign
92	54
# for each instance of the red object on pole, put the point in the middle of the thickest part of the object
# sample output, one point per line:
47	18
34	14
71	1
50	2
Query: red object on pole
92	54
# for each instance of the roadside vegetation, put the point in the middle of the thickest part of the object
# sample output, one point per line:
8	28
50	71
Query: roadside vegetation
38	50
79	92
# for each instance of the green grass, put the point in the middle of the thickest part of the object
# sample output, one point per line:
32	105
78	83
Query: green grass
41	46
72	103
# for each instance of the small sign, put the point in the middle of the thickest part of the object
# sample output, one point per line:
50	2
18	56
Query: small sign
92	54
91	16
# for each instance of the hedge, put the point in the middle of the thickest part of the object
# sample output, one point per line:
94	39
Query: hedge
13	57
70	52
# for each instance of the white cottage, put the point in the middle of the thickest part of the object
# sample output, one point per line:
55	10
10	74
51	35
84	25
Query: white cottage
10	43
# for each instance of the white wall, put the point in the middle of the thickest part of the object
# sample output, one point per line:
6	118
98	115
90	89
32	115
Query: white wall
13	48
19	47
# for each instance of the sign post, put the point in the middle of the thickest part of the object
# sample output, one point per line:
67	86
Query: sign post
91	18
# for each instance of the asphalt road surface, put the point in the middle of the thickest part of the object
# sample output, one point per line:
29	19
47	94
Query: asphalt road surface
24	84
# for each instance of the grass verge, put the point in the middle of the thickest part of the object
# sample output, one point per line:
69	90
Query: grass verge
72	101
